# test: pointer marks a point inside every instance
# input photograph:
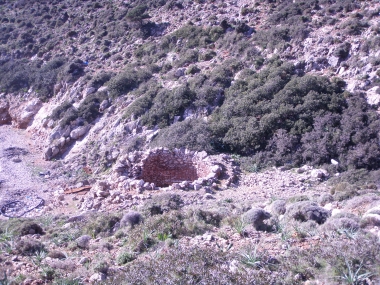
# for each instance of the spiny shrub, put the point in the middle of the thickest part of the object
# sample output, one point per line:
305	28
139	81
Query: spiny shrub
131	219
163	203
125	257
256	217
104	223
343	191
307	211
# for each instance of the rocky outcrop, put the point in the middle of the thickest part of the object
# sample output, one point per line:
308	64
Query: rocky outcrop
22	115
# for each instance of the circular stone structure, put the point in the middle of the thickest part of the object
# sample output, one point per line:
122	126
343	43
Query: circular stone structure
165	167
162	167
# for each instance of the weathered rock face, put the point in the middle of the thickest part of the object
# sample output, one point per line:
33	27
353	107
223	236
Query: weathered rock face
5	118
78	132
24	114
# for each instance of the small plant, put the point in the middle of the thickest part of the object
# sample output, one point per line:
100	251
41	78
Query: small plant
239	225
6	236
125	257
163	236
284	233
5	280
38	257
350	233
352	274
251	258
47	273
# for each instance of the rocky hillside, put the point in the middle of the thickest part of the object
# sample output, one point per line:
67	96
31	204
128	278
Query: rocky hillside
241	136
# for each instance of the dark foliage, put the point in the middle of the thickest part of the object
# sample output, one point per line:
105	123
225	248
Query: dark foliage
193	134
127	80
20	75
166	105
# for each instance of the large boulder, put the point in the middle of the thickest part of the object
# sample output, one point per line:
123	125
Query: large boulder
78	132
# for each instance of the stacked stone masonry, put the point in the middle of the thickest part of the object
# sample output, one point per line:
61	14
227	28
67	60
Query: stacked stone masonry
164	168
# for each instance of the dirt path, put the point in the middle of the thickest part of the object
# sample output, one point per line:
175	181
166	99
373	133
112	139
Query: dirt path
21	172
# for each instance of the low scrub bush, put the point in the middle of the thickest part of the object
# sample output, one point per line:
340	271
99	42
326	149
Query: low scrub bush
307	211
28	247
343	191
163	203
87	111
125	257
166	105
101	224
256	218
20	75
193	134
127	80
131	219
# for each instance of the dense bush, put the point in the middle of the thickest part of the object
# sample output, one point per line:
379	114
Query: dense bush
20	75
193	134
87	111
166	105
127	80
137	14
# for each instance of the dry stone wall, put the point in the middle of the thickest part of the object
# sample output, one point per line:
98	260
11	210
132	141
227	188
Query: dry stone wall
163	168
135	174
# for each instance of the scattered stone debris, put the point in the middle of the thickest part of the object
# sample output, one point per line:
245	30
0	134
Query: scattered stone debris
12	152
158	169
19	208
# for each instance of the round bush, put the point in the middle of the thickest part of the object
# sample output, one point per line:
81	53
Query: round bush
131	219
256	217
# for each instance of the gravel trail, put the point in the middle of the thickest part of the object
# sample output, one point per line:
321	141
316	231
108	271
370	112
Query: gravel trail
21	169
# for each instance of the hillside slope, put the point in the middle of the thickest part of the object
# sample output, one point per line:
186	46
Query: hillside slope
248	129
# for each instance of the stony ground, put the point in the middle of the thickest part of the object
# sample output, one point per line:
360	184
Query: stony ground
22	171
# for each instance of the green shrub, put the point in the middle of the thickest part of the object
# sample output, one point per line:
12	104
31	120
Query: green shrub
29	227
210	217
137	14
99	79
127	80
60	111
125	257
193	134
166	105
163	203
343	191
188	57
101	267
29	247
102	224
88	110
256	217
